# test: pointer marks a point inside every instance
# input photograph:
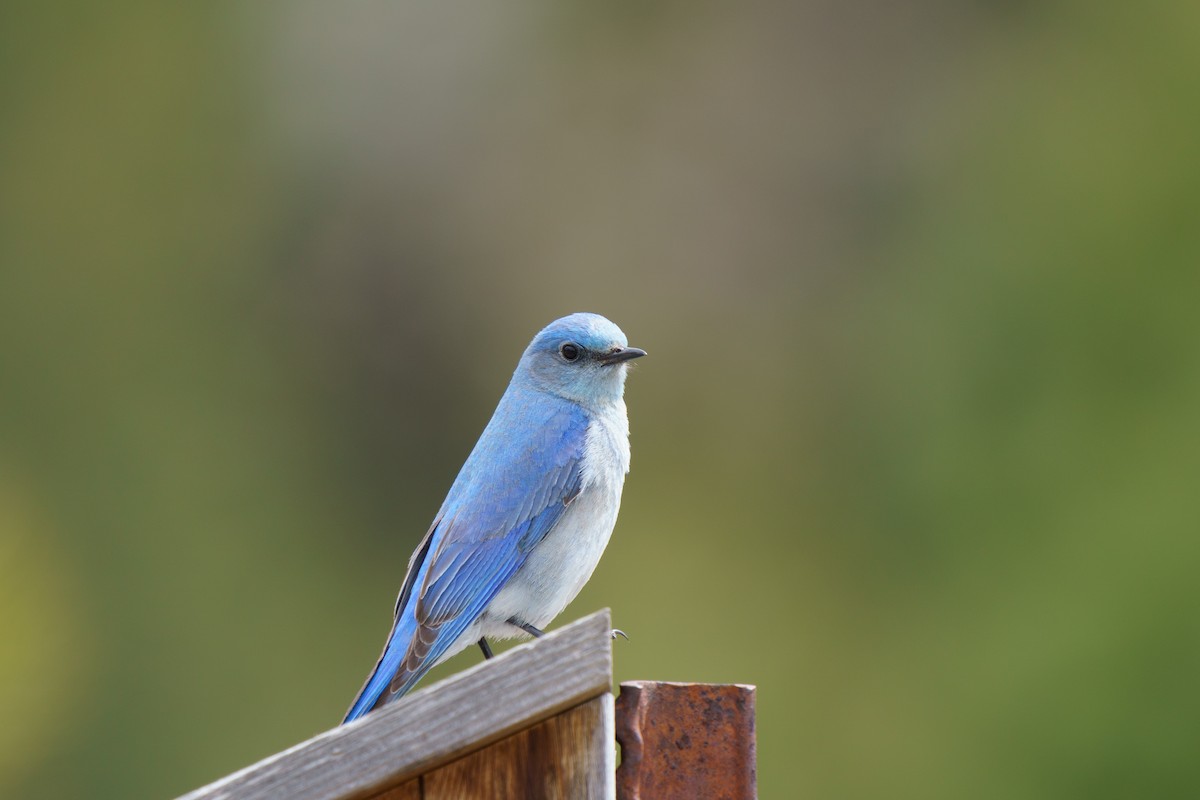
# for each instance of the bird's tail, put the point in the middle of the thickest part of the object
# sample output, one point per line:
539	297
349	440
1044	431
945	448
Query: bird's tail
391	660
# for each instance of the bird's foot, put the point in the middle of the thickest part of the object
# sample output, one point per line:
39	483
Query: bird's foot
525	626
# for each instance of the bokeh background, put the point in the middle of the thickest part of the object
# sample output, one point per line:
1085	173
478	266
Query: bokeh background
915	450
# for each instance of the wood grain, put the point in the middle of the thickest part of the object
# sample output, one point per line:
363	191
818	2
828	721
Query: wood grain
568	757
434	726
405	791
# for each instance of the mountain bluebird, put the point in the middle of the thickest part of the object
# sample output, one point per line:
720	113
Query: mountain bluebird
529	514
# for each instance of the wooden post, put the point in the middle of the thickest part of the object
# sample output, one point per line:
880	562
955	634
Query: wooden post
534	722
686	741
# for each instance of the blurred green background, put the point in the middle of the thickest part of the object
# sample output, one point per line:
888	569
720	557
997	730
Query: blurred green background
915	450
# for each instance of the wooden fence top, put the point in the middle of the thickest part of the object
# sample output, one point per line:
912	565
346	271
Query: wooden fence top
434	726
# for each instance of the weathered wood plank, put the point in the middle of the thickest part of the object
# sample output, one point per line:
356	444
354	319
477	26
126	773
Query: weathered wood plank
433	726
686	741
571	756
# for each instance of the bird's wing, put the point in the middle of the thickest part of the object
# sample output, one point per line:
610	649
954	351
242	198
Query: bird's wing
510	494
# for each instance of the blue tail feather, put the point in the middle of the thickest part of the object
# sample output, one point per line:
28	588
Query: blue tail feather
381	676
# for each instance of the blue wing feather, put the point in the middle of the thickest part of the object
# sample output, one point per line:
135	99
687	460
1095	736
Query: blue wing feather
512	490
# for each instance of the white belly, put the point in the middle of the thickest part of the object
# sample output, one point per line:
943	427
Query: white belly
557	569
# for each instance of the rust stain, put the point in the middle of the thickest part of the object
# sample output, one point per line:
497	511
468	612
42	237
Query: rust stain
686	741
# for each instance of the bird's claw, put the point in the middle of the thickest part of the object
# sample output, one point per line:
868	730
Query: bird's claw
618	632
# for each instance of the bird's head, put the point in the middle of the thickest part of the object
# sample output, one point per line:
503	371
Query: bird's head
581	357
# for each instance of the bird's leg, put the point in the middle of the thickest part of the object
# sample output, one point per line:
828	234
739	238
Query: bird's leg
485	647
525	626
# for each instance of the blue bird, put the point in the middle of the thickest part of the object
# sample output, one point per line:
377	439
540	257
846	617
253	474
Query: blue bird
528	516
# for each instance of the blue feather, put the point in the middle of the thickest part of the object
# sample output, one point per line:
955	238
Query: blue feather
509	494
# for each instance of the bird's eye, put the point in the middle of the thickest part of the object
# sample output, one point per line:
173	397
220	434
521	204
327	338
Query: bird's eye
569	351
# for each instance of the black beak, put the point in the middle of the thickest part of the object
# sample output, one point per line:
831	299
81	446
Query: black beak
621	354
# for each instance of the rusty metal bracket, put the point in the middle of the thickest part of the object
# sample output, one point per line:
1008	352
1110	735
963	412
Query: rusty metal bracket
686	741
